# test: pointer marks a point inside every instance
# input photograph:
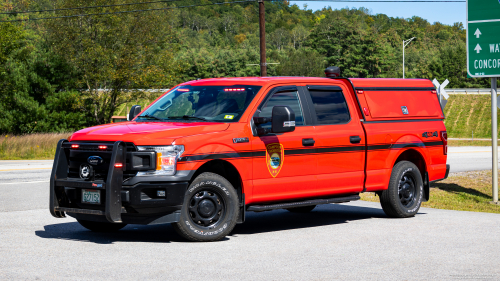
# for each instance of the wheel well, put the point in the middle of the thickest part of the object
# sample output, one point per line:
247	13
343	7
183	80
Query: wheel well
225	169
415	157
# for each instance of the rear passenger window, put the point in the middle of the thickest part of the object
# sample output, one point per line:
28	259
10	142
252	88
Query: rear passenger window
330	106
289	98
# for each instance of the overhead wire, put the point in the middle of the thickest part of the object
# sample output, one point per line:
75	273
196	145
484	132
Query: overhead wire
384	1
132	11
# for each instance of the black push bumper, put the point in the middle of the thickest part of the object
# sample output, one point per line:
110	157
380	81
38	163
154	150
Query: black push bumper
137	203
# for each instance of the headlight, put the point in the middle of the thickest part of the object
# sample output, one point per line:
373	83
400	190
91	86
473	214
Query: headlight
166	159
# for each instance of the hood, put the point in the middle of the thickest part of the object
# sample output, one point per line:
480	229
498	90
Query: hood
147	133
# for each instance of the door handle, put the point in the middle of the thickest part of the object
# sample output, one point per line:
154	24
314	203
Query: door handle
355	139
308	142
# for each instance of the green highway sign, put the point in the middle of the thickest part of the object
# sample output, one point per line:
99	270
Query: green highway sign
483	38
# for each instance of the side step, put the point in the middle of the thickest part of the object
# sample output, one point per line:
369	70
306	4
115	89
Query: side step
260	208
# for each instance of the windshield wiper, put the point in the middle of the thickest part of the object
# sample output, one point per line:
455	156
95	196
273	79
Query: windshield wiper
151	117
187	117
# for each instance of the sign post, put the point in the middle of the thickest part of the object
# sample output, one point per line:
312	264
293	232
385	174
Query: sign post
483	60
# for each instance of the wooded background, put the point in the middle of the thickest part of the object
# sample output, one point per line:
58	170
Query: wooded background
64	74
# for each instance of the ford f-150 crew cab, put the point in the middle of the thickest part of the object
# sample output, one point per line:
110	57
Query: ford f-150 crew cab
208	151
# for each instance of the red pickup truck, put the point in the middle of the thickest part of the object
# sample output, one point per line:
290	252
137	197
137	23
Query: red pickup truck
208	151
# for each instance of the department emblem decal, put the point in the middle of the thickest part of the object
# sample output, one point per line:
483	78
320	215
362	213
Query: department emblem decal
274	158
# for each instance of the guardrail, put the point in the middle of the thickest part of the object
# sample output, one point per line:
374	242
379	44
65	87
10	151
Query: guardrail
470	91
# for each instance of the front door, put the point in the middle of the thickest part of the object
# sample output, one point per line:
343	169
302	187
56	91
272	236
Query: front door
284	167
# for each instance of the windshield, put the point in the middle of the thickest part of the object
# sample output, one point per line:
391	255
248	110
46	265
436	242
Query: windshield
205	103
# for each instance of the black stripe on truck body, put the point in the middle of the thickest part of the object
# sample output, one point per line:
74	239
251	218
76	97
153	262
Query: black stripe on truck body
319	150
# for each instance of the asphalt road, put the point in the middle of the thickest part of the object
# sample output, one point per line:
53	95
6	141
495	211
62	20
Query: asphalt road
469	158
337	241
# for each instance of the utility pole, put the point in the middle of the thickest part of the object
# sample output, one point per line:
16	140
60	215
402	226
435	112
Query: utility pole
405	42
262	26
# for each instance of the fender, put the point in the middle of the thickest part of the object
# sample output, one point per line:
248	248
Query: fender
378	179
405	143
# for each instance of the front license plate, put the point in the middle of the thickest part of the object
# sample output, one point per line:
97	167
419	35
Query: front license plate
91	196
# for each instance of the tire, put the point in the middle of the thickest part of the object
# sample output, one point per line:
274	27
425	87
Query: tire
210	209
303	209
102	226
406	189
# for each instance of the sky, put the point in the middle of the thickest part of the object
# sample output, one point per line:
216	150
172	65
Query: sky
445	13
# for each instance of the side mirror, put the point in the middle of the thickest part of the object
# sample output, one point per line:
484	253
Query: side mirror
283	119
134	111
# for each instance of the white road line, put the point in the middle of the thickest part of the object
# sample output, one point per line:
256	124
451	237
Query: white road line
25	169
22	182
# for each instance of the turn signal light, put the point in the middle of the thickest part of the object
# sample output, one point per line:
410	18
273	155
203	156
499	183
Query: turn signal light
118	165
444	138
75	146
366	112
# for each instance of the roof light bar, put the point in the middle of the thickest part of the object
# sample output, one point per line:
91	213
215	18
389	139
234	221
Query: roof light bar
234	90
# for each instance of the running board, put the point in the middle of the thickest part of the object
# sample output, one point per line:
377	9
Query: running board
260	208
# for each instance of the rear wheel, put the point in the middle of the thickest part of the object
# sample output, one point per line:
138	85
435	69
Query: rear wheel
210	209
101	226
303	209
404	196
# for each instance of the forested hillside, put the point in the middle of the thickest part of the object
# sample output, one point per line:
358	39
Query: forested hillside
66	73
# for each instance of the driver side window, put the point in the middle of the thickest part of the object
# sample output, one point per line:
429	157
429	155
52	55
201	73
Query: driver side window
288	98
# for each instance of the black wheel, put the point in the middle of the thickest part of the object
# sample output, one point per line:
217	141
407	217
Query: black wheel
210	209
404	196
102	226
303	209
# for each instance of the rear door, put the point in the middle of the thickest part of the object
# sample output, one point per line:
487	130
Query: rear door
339	139
284	168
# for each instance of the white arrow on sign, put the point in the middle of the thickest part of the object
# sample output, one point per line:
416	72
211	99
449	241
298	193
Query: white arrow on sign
477	33
478	48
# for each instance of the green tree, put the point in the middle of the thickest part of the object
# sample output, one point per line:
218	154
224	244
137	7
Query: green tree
111	53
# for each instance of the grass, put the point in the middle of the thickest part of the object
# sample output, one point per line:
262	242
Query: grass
465	191
469	143
28	147
467	113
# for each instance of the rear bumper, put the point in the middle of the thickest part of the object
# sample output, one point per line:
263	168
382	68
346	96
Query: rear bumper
447	171
145	200
445	174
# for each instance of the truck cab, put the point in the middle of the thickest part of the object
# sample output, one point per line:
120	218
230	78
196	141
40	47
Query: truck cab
208	151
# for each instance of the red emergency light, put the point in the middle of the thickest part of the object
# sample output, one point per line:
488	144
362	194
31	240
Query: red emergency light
182	90
118	165
102	147
234	90
75	146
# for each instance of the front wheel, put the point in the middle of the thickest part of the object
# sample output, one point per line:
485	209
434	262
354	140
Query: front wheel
210	209
102	226
404	196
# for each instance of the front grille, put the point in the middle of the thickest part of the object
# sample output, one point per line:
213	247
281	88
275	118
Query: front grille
80	155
